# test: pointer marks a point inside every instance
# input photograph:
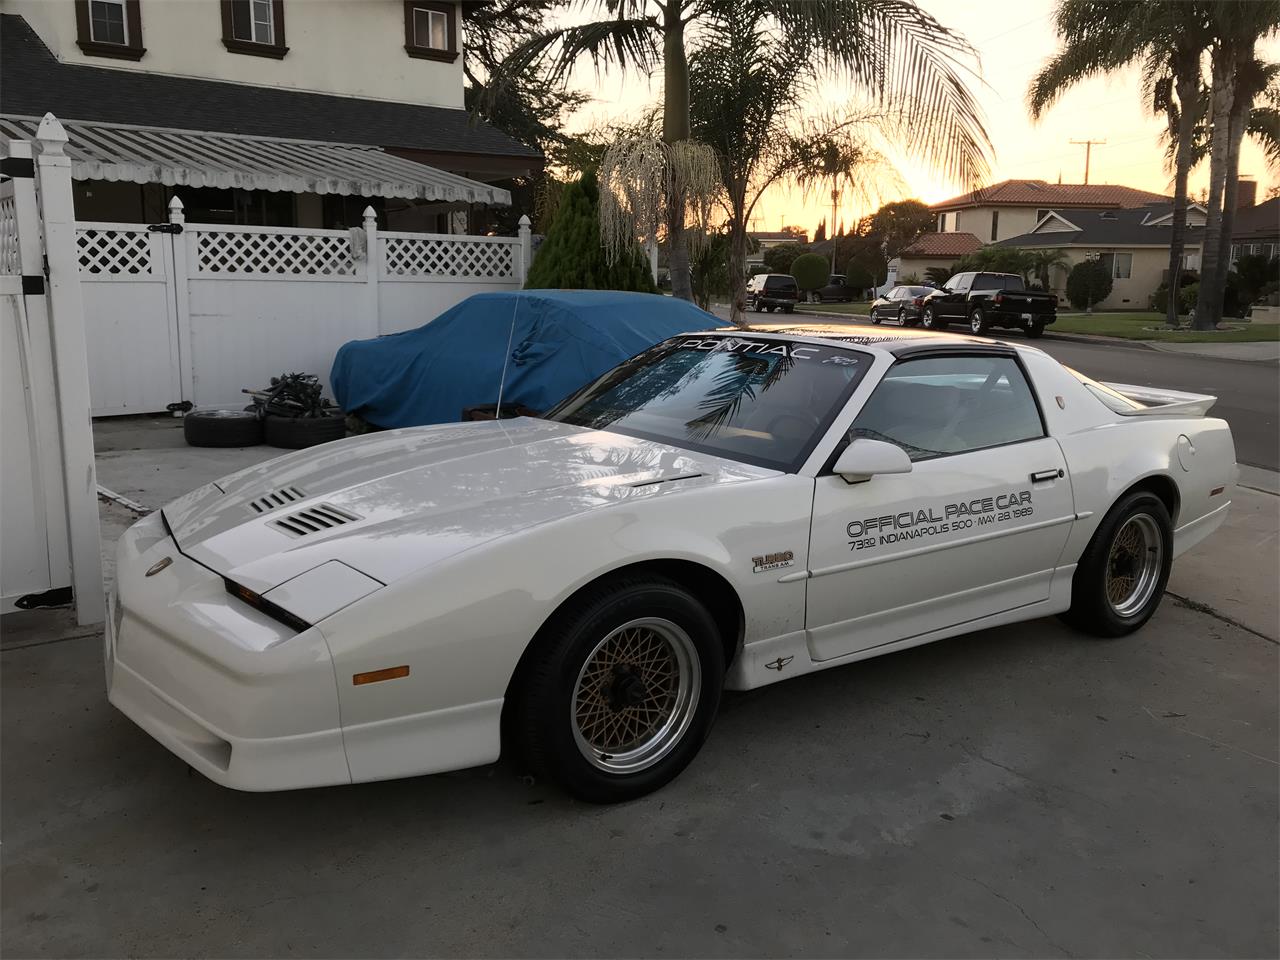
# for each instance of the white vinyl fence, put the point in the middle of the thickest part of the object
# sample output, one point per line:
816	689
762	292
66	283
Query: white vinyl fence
195	312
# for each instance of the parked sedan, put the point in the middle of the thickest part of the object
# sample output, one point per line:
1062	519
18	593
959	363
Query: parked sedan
902	304
835	290
725	510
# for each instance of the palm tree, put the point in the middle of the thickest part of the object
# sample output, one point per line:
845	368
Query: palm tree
1043	263
1235	29
890	51
1167	38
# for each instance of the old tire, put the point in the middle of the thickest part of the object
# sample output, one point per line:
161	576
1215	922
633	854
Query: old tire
222	428
294	433
619	689
1122	574
932	321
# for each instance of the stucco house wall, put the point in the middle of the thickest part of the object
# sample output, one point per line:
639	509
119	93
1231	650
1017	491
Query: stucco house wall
335	46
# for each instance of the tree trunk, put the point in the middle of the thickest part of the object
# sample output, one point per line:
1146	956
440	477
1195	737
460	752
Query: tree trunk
738	254
675	127
1209	301
1188	99
1230	194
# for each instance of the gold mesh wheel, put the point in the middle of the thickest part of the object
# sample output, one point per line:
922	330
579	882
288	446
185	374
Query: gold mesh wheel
1134	564
636	695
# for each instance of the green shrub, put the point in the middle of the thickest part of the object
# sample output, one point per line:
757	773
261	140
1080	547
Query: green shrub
811	271
1088	284
778	259
858	276
572	256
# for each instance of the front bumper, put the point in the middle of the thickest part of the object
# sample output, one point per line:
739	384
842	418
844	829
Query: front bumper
241	698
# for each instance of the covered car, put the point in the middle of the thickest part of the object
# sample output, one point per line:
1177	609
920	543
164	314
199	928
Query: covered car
548	342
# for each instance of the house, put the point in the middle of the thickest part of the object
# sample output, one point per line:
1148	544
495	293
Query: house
931	250
1134	242
1014	207
771	238
1256	230
259	112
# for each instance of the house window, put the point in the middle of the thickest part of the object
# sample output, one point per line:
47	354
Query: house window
995	224
109	28
255	27
430	30
1120	264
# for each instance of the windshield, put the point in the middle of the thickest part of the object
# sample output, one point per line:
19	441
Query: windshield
760	401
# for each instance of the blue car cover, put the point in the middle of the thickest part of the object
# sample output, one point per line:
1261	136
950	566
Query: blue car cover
561	340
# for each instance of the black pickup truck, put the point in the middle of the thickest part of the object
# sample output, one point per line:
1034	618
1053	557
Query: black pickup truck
986	300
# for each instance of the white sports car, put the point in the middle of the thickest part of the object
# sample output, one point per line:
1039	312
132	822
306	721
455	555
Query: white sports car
724	510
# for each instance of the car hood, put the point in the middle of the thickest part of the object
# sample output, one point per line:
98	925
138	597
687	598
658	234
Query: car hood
392	502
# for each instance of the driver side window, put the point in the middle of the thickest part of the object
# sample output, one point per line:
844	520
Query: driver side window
940	406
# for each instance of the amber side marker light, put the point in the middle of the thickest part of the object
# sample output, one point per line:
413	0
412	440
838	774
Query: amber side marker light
375	676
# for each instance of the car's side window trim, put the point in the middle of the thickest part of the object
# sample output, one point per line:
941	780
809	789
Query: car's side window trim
829	465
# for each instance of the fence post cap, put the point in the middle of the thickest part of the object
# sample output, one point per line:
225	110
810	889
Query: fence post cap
370	213
52	135
175	210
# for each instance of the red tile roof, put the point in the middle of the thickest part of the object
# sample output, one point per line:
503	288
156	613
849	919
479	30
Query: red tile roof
942	245
1041	193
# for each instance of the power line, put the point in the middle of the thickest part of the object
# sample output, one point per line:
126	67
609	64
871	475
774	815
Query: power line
1088	153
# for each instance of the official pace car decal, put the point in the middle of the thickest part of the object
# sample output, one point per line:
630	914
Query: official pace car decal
931	521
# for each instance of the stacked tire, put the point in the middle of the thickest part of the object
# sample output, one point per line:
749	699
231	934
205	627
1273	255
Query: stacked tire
244	428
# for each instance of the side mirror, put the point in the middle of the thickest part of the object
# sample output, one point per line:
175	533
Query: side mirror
865	458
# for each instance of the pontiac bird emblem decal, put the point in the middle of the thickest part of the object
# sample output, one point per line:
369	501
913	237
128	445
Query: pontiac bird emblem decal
778	664
159	565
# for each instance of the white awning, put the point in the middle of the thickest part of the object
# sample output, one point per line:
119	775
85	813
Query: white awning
191	158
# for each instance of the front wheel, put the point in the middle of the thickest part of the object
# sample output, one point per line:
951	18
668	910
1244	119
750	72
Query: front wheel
977	322
874	318
932	321
621	689
1122	573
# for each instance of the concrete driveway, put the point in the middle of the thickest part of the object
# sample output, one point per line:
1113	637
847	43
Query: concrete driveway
1024	791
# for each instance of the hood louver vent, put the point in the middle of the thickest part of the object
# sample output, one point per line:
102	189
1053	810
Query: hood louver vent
314	520
277	498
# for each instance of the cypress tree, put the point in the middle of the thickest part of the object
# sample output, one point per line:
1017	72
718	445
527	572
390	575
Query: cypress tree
572	256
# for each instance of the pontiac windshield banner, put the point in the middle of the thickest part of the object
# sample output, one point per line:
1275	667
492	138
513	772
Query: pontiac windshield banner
932	521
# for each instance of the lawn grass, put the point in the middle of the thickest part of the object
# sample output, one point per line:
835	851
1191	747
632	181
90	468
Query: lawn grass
1138	326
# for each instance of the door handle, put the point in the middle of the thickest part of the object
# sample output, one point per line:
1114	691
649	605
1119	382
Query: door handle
1041	476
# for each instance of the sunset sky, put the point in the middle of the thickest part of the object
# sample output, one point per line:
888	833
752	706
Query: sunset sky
1013	39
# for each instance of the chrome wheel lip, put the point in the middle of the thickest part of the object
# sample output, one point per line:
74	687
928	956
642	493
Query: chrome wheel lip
975	321
1139	539
661	740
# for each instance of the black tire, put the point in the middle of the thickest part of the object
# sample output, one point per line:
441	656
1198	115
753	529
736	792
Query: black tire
1092	611
977	322
543	717
756	306
875	318
295	433
902	316
932	321
222	428
1034	330
788	309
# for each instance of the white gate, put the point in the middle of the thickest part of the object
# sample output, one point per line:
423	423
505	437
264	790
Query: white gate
195	312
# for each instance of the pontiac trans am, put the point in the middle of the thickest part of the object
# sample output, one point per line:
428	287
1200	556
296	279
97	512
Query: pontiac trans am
725	510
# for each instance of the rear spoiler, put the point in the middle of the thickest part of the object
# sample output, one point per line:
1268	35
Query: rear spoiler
1158	402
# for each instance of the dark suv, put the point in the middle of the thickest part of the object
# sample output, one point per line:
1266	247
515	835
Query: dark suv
770	291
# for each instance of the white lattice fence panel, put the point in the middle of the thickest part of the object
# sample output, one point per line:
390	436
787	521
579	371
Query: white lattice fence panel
447	257
279	254
10	265
103	251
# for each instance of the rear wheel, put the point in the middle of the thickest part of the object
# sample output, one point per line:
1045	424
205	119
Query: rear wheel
620	689
787	309
1034	330
902	316
977	322
1122	574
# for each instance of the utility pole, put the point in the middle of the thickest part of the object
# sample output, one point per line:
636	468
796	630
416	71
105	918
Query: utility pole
1088	153
835	199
